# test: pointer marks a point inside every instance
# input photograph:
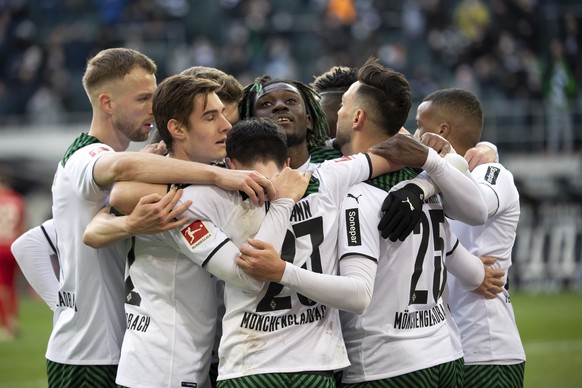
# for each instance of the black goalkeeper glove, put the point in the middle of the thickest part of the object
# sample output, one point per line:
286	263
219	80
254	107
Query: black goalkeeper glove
402	210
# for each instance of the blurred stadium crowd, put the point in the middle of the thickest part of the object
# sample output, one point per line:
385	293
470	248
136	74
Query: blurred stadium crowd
522	58
502	50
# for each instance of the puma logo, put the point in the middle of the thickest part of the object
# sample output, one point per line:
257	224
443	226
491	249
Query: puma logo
408	201
354	197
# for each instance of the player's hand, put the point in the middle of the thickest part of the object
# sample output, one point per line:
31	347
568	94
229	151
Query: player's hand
480	154
153	214
401	210
436	142
493	281
253	184
261	261
403	150
156	148
291	183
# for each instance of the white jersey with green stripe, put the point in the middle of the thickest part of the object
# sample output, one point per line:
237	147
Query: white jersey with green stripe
405	328
279	330
171	297
489	333
89	318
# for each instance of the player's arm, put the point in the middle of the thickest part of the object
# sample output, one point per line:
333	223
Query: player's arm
473	273
33	251
150	168
204	239
462	198
126	195
290	186
352	291
152	214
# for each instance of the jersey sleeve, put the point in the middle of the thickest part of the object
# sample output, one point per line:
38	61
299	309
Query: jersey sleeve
468	269
207	202
206	245
33	251
350	291
462	198
274	226
497	186
339	174
80	170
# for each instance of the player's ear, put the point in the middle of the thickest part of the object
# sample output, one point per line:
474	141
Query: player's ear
231	164
444	129
359	118
176	129
308	123
105	104
287	163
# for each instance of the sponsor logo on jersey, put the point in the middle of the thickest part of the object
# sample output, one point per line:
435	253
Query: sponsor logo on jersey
98	150
195	234
492	174
353	227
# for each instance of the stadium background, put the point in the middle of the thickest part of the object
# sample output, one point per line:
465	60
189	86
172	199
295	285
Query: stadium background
501	50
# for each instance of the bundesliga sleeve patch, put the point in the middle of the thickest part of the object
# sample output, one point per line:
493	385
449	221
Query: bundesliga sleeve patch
353	227
492	174
98	150
343	159
195	234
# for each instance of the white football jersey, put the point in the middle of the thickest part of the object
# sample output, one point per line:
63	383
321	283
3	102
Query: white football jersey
280	330
405	328
488	329
171	304
89	319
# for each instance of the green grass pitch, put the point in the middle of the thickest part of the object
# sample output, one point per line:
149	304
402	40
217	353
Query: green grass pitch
550	327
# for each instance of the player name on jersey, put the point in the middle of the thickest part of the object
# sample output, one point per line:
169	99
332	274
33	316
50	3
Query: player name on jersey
269	323
137	322
301	211
419	319
67	299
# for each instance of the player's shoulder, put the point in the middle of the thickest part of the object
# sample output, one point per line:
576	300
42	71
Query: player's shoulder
321	154
492	173
212	196
85	146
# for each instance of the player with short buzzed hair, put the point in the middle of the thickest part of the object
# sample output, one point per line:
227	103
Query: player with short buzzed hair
331	85
491	342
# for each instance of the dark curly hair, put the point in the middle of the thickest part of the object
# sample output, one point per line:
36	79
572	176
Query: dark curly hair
318	135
